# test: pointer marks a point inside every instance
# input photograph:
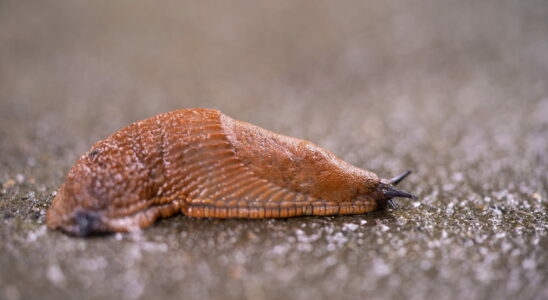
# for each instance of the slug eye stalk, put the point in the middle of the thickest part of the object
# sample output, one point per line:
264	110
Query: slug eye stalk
395	180
391	192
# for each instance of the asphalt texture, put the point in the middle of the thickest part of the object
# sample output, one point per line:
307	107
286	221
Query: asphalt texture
456	91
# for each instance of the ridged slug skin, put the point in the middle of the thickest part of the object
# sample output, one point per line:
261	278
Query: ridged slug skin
205	164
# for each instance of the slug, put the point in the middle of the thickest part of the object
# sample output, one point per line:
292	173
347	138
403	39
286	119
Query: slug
202	163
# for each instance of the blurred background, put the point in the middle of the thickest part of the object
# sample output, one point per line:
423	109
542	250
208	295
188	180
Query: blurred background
455	90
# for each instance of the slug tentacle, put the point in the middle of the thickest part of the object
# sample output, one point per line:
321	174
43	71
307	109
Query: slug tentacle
205	164
395	180
392	192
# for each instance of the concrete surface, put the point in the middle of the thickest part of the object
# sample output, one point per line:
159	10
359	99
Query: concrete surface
455	90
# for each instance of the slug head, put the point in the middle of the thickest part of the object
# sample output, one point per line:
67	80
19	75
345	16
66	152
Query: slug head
388	192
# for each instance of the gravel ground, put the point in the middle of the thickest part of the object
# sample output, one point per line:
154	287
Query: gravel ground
457	91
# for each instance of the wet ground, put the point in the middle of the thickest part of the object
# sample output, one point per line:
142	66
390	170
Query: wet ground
456	91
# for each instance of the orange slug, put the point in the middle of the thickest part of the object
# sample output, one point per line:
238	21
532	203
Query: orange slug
205	164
